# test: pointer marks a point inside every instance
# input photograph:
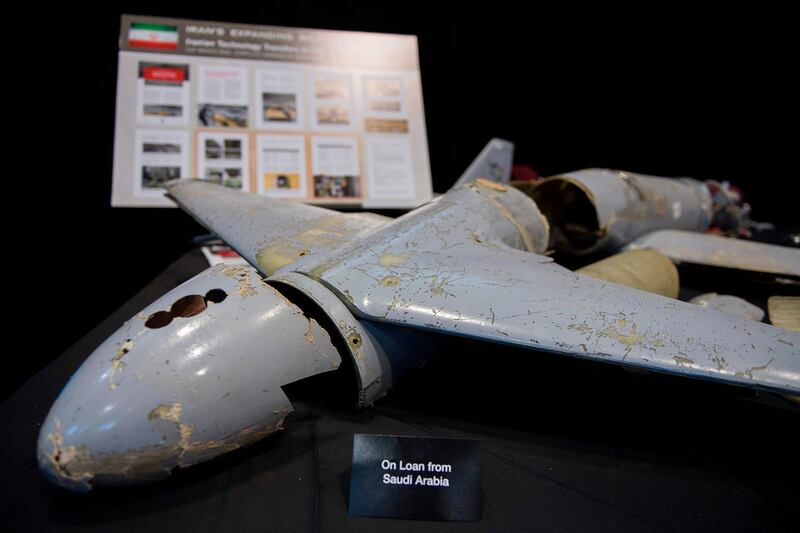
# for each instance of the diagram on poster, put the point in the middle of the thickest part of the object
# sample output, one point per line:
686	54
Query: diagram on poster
161	156
223	157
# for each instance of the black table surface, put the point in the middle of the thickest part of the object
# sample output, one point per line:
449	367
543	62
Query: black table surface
565	445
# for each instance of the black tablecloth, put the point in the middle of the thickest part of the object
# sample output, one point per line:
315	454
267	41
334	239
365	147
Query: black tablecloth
565	445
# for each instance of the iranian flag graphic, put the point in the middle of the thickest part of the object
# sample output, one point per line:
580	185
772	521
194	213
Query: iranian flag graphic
156	36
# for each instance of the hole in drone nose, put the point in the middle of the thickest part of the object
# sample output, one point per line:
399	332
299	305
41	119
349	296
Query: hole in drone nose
190	305
158	320
216	296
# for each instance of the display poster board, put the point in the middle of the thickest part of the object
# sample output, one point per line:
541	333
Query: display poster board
318	116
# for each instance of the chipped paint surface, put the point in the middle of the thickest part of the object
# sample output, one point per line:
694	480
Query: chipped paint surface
314	237
270	234
62	458
80	469
391	260
748	372
195	388
493	289
599	209
244	287
624	333
723	252
491	184
116	362
170	412
173	413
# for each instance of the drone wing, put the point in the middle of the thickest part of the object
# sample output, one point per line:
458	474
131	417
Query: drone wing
457	266
723	252
269	233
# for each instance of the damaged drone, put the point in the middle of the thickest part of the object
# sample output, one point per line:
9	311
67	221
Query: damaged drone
200	371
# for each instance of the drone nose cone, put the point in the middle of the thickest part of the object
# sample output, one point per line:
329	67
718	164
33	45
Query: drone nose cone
196	374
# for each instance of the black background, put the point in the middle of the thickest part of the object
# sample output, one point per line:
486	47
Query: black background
662	90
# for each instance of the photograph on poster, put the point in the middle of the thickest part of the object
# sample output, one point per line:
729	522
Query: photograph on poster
333	114
169	148
156	177
336	186
385	106
223	157
279	107
385	125
333	101
332	88
233	149
282	181
157	110
229	177
213	149
222	116
228	149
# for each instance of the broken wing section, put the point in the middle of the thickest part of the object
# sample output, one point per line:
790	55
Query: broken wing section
196	374
722	252
447	270
268	233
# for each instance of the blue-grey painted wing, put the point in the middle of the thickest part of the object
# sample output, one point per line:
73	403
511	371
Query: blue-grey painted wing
269	233
456	267
493	163
722	252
